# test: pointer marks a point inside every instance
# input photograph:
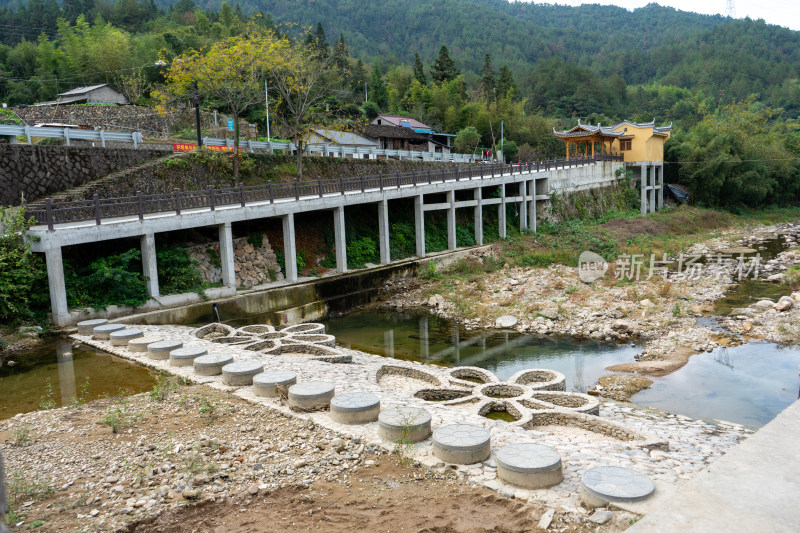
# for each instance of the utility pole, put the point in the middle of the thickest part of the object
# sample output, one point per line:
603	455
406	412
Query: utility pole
266	95
196	102
501	142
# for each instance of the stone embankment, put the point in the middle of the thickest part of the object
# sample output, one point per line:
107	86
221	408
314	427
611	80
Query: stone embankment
252	265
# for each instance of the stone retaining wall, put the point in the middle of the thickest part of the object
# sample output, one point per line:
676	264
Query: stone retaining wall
253	266
38	171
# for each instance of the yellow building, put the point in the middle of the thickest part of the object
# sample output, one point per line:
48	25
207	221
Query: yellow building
640	143
635	141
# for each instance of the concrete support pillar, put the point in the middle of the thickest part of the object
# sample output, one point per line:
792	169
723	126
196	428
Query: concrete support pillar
451	220
523	206
383	231
652	188
419	225
58	291
339	238
643	180
289	248
532	206
226	256
660	185
478	216
150	264
501	214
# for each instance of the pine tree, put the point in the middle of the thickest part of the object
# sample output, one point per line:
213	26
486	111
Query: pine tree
320	41
419	70
488	83
341	55
443	68
506	83
377	88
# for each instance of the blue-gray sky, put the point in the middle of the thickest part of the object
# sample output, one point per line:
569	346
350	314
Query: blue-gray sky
781	12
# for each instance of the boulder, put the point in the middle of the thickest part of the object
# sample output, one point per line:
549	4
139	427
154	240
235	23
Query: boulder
622	326
784	304
506	321
549	312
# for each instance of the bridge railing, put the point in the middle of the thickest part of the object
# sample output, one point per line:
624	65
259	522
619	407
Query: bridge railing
72	134
98	209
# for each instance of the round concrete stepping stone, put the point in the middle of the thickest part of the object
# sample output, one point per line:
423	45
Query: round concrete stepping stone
355	408
140	344
87	326
529	465
265	382
603	484
102	332
462	444
211	364
404	424
241	373
185	356
311	394
160	350
123	336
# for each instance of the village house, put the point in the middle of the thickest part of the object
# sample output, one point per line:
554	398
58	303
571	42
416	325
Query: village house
92	94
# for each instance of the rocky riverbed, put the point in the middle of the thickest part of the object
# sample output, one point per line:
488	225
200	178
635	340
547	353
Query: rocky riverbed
666	313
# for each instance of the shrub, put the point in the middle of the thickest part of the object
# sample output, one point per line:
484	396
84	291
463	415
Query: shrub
361	251
177	272
112	280
23	278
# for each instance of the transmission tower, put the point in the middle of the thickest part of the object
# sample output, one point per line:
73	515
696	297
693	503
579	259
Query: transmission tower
730	9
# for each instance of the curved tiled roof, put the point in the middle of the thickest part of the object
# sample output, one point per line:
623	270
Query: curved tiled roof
582	130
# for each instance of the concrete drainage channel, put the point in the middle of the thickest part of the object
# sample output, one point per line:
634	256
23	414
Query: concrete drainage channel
299	370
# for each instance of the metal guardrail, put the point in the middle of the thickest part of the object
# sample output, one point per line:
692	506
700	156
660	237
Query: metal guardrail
97	209
341	151
101	136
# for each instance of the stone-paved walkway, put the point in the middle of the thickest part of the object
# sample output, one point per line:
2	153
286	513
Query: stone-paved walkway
693	444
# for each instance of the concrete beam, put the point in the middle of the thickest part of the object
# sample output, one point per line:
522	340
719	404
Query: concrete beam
150	265
451	221
340	240
58	289
419	225
478	216
383	231
289	248
226	255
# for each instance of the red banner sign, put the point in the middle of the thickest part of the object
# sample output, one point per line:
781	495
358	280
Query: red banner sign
190	147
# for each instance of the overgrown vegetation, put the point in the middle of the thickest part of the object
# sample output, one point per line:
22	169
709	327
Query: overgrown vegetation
23	278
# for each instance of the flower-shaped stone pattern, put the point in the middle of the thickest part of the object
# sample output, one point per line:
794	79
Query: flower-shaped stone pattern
301	339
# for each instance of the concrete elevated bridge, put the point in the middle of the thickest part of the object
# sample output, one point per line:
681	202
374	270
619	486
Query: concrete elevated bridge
64	224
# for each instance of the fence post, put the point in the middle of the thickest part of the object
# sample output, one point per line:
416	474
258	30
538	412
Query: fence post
49	206
97	213
102	137
139	205
212	200
296	188
269	189
414	177
362	182
481	171
341	185
177	201
241	193
398	179
319	186
429	176
380	182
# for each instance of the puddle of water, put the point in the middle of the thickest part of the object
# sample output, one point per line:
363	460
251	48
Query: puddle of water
24	386
419	336
747	293
748	384
505	416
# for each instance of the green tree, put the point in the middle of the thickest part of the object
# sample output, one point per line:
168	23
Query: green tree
443	68
320	41
21	271
510	150
506	86
419	70
467	140
488	83
377	88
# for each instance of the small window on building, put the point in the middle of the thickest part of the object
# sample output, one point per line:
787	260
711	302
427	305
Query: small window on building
625	145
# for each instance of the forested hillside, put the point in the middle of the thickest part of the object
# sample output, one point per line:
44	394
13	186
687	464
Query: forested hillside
463	66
